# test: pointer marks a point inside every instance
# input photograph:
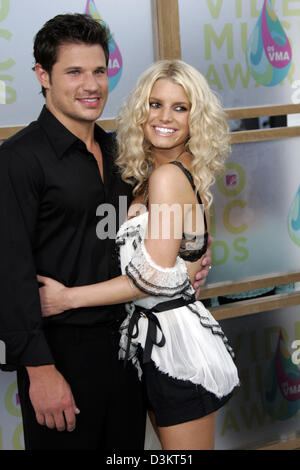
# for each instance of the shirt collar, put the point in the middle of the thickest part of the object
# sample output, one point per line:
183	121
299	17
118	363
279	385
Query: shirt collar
62	139
59	136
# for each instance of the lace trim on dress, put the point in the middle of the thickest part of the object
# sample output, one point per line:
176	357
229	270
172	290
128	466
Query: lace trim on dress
129	232
220	380
124	338
215	328
192	248
156	280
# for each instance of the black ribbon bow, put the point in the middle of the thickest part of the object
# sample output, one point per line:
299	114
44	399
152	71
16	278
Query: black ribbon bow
151	338
153	325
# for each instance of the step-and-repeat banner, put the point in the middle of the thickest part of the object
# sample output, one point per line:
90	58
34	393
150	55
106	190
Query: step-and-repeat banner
11	428
131	50
255	218
248	50
249	53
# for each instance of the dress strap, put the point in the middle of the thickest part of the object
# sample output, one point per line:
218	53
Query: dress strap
191	180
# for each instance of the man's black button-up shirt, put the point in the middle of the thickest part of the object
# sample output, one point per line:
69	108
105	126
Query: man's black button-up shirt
51	188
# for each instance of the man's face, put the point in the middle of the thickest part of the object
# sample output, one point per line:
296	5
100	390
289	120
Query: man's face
77	88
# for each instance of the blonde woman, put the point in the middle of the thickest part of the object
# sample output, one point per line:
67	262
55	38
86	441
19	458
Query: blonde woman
173	139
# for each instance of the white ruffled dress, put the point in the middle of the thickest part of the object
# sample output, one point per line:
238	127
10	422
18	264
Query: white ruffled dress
195	349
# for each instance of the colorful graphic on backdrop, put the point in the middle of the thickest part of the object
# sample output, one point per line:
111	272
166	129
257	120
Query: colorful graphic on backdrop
269	53
294	219
282	385
115	64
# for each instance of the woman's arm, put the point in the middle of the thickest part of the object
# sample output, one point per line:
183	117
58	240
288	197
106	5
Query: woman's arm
56	298
167	194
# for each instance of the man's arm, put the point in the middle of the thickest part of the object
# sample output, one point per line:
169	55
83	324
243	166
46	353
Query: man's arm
20	314
201	276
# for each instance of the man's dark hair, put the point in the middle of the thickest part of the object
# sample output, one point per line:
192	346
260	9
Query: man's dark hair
67	29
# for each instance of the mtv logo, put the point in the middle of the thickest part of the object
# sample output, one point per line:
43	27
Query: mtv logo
231	179
2	352
2	92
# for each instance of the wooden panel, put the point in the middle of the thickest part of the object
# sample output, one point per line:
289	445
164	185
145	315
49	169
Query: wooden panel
166	29
261	111
248	283
6	132
236	137
171	50
107	124
259	135
251	306
290	444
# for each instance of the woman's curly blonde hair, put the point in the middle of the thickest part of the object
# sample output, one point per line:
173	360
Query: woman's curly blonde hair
208	141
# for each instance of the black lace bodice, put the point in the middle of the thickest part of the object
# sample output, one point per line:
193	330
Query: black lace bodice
193	247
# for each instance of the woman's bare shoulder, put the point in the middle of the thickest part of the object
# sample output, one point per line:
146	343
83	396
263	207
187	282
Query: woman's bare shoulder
169	183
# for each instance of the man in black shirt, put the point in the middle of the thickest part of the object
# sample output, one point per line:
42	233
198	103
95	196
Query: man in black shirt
53	176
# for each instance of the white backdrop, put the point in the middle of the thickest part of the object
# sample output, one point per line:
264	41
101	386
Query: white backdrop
11	429
21	19
215	36
254	203
251	214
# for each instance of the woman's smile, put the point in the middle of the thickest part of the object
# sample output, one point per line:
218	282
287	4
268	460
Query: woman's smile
167	126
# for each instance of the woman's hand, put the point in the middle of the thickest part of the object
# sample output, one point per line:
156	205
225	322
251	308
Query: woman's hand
53	296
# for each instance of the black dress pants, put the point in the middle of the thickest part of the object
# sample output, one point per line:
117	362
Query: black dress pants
109	396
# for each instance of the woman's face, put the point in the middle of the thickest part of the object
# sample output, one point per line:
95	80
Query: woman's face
167	126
